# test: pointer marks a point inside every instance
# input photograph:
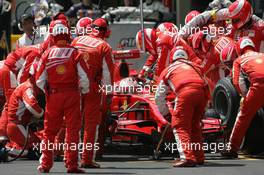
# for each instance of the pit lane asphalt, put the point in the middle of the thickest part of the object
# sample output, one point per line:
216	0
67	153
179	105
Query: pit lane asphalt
126	165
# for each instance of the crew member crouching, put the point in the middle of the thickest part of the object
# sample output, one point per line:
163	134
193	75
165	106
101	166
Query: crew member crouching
184	78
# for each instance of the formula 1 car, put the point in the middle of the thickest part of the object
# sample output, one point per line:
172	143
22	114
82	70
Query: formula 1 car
134	117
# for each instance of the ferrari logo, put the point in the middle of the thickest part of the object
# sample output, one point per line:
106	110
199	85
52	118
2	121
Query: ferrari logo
125	105
60	69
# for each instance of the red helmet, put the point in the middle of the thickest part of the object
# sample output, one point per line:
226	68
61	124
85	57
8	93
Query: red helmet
166	39
240	12
149	40
245	43
83	26
200	41
229	53
191	15
178	53
100	28
166	26
133	72
59	30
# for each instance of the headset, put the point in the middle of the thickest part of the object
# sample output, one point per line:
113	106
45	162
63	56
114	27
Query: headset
24	17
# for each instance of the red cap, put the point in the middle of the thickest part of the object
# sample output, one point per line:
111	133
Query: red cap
245	43
101	28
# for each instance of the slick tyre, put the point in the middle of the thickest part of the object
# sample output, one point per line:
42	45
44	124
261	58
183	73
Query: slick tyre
226	102
211	113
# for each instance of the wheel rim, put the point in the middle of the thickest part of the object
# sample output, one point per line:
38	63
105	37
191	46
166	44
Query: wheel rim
221	106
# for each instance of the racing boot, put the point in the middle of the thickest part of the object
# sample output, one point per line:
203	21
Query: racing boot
199	157
76	171
42	170
91	165
32	155
229	154
3	154
200	162
184	163
3	150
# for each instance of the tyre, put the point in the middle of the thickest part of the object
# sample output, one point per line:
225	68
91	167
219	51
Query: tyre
226	102
211	113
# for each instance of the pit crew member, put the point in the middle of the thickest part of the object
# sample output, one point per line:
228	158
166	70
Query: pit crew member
99	69
21	107
244	23
215	55
166	42
60	70
151	36
185	79
150	46
15	71
248	79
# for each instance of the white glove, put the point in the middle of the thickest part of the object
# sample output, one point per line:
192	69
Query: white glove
226	3
219	4
216	4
